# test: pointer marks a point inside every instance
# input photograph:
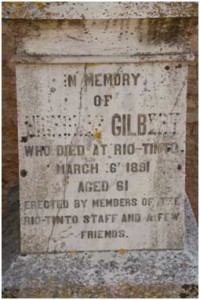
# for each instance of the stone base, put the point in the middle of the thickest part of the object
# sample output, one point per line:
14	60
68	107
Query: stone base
106	274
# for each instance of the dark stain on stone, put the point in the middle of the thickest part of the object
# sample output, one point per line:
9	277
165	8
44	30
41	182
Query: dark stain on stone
179	66
179	167
23	173
170	31
53	90
24	139
183	295
185	286
76	22
189	291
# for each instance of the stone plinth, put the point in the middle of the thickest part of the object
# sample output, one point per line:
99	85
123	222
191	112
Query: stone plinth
158	274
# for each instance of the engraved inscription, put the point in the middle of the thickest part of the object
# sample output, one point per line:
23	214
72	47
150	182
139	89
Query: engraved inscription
103	147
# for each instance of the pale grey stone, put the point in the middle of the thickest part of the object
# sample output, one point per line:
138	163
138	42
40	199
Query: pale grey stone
108	268
153	171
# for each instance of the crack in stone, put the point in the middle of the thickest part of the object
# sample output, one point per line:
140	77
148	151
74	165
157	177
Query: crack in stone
52	230
83	87
178	95
67	157
74	38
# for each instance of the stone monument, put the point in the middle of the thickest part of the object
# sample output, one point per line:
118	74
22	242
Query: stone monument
101	93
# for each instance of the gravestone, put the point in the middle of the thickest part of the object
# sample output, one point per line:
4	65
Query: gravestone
101	128
102	156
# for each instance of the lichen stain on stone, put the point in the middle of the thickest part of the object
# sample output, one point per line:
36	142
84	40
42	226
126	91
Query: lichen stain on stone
72	252
122	251
40	9
94	65
65	181
167	30
41	5
80	291
25	9
97	135
76	22
189	290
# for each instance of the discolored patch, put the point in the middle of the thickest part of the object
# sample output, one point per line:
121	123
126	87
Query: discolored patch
97	135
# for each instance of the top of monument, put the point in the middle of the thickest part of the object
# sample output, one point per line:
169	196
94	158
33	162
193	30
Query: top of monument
97	10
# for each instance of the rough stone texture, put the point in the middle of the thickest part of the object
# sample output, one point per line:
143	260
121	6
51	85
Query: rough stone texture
58	10
11	229
131	37
157	274
13	31
140	291
48	178
9	114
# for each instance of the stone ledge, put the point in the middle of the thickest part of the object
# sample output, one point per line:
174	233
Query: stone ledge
131	274
98	10
121	291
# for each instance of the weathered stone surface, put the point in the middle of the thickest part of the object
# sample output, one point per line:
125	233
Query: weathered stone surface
11	229
121	291
105	10
134	274
43	99
74	123
9	115
81	40
181	290
14	31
